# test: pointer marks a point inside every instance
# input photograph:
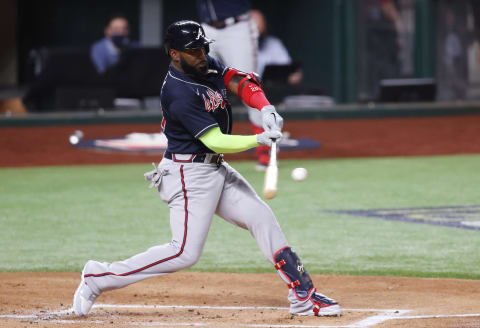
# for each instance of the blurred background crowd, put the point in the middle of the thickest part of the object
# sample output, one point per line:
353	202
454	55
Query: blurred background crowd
59	55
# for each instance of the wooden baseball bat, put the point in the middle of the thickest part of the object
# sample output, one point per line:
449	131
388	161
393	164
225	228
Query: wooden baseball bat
271	174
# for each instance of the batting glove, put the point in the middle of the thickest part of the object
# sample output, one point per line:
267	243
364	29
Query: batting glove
271	120
265	138
155	176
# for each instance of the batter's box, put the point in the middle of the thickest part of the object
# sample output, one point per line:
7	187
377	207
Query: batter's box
463	217
132	315
237	316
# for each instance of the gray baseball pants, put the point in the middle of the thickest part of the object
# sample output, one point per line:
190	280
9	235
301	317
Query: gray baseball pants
194	193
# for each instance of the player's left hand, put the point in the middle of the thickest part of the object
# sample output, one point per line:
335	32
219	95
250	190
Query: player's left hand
271	120
267	137
155	176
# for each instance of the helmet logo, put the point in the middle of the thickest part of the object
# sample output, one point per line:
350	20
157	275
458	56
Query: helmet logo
199	34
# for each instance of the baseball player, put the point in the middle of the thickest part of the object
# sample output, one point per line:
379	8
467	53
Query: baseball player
197	183
230	24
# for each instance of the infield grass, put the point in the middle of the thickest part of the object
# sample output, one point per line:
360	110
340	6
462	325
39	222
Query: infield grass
57	218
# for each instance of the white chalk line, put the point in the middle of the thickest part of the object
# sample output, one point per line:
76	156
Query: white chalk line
135	306
367	322
36	316
213	307
45	316
384	315
434	316
379	318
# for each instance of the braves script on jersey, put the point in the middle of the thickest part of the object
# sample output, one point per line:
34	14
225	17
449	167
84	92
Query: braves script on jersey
192	107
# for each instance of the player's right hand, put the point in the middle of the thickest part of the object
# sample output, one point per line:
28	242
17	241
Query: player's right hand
265	138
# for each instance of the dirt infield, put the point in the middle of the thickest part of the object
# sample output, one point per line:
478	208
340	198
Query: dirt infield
246	300
44	299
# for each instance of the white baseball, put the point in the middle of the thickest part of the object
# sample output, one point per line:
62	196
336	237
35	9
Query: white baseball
299	174
75	137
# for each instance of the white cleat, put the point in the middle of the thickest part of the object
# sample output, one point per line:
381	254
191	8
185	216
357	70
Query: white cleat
83	299
330	311
321	311
318	305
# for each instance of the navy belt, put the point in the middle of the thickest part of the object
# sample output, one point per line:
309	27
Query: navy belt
195	158
229	21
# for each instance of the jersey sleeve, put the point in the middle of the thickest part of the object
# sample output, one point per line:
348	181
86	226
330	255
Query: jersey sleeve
193	116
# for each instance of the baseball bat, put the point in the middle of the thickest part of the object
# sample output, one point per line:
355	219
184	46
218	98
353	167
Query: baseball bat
271	174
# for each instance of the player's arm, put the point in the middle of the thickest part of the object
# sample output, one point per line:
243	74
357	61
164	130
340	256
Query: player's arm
226	143
248	88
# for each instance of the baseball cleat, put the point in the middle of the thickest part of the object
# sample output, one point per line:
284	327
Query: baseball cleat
325	306
83	298
320	306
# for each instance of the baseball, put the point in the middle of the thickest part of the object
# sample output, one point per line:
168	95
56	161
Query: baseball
75	137
299	174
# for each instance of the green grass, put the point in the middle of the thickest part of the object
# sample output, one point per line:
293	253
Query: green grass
56	218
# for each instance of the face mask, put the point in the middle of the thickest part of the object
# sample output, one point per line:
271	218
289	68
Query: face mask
120	41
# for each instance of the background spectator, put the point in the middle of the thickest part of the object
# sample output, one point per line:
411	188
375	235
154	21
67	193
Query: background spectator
271	50
106	52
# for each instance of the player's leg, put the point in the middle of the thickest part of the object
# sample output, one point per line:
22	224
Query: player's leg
252	213
192	192
240	205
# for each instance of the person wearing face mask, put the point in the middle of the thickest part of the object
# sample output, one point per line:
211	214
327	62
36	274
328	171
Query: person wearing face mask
106	52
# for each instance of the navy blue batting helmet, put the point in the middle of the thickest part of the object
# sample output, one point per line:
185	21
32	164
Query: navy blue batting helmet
186	34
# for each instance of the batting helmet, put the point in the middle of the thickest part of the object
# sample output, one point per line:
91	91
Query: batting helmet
186	34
